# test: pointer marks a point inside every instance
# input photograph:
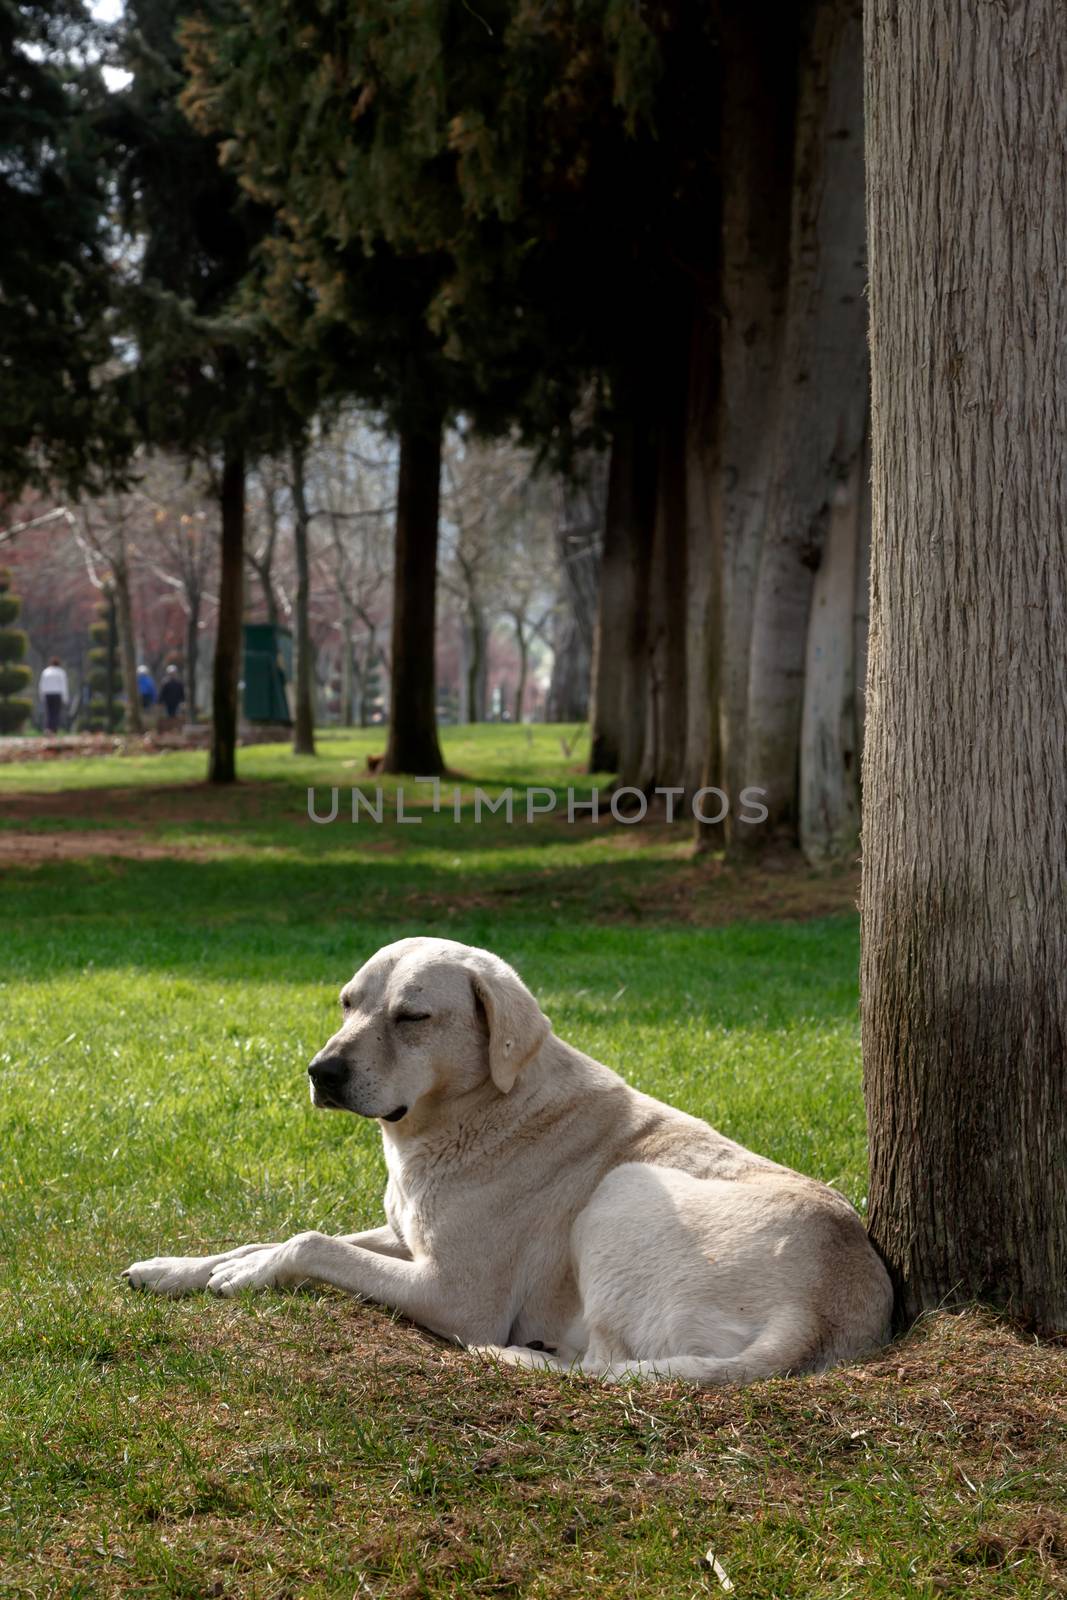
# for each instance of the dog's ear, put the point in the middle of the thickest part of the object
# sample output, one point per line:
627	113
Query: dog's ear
517	1025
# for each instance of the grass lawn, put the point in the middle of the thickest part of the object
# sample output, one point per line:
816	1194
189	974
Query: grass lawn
171	957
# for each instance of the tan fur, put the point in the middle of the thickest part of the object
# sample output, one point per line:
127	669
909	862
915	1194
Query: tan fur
533	1196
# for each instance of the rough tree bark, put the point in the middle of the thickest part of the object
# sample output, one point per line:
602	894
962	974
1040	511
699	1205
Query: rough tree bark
758	109
703	755
370	657
613	603
578	549
663	757
348	644
347	623
620	640
829	798
522	645
964	970
222	766
304	723
821	402
861	607
413	745
476	662
262	561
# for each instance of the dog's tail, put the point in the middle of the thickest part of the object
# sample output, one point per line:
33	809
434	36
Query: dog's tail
766	1357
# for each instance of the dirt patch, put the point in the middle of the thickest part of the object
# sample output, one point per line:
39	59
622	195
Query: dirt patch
783	889
176	802
125	823
74	844
964	1373
65	746
699	894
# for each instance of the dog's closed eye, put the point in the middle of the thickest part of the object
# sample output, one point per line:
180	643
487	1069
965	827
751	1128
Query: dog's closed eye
412	1016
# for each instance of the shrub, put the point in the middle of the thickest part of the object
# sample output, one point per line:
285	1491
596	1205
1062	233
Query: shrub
102	645
14	710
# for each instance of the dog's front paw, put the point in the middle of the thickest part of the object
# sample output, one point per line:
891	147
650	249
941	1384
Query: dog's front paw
536	1357
170	1275
257	1270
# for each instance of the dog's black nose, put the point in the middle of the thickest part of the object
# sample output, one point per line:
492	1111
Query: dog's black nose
328	1072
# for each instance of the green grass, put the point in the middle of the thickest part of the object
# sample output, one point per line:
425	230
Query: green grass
535	754
158	1016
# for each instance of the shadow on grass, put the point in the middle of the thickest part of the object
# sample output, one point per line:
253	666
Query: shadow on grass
246	919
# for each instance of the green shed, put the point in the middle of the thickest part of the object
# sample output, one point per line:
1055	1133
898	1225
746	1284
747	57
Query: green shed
268	673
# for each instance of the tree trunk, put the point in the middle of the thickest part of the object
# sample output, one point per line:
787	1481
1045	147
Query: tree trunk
263	564
372	658
413	745
829	753
619	671
127	647
965	831
664	754
477	661
524	666
579	534
192	655
703	757
464	702
224	693
759	94
304	724
861	611
821	403
614	602
348	698
112	651
568	690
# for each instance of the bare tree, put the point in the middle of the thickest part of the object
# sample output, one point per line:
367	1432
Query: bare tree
499	527
579	531
351	473
304	718
104	529
180	547
267	485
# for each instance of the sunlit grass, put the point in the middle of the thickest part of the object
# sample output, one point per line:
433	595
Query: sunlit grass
158	1017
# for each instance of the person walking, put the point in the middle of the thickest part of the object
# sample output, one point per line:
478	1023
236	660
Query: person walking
146	688
54	691
172	694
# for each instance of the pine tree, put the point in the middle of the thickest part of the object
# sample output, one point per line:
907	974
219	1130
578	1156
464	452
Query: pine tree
14	709
397	256
103	668
497	205
201	384
62	424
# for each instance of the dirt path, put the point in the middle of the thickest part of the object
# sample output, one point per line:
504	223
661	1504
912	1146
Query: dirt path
127	822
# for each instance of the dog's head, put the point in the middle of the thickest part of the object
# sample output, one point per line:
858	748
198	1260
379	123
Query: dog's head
426	1018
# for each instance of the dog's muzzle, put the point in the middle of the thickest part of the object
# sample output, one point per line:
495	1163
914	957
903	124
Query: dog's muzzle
329	1080
328	1075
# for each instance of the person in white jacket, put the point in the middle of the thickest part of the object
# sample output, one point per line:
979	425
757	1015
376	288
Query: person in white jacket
54	692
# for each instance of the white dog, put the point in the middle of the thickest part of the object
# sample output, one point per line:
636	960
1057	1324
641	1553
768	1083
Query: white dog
541	1208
